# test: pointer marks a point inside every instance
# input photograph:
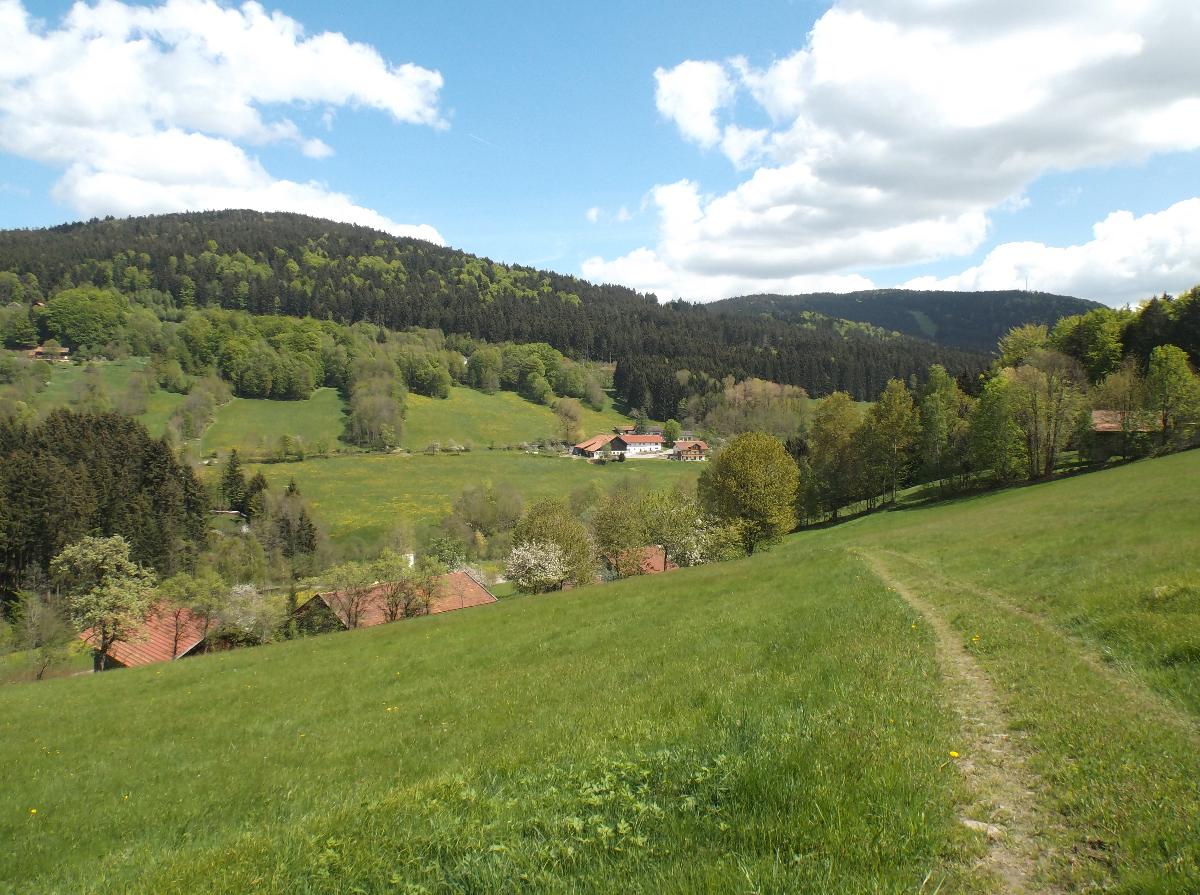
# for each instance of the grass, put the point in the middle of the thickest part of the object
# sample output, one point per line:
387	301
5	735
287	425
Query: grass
362	498
254	426
1081	598
640	737
472	418
66	379
776	724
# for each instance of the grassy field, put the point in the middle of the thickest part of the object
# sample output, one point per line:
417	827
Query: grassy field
811	719
362	498
469	417
254	426
641	737
66	379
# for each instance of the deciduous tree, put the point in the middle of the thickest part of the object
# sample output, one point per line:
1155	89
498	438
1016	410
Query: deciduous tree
108	594
753	481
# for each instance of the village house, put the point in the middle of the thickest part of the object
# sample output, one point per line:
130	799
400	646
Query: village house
636	445
651	560
689	450
51	354
625	445
326	612
169	632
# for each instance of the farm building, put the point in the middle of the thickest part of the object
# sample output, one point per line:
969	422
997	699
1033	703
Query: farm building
636	445
650	560
689	450
593	447
167	633
330	611
44	353
1118	432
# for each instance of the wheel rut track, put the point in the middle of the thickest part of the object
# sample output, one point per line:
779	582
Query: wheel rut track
993	759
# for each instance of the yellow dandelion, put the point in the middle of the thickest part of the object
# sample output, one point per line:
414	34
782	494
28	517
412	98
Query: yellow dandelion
953	754
33	811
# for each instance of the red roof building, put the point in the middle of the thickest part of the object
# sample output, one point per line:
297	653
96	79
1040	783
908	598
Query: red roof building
689	449
1120	421
326	611
593	446
650	560
167	633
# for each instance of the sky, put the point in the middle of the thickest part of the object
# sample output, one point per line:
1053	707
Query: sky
696	150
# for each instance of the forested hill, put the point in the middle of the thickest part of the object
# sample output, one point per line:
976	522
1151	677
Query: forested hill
972	321
297	265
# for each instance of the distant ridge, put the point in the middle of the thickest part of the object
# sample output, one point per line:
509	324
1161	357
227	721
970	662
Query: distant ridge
972	321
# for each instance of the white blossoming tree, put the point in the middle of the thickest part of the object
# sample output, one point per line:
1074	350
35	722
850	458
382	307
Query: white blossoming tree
537	566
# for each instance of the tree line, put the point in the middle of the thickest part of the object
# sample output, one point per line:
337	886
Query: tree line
292	265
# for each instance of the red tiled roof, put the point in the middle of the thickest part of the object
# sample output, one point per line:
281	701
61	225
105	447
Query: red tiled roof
459	591
653	559
159	636
1113	421
640	439
691	444
595	443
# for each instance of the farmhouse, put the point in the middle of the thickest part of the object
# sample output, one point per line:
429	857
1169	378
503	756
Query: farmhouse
593	447
651	560
690	450
328	612
168	633
636	445
44	353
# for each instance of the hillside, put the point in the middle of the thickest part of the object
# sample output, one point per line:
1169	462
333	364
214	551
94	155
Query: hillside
971	321
821	717
296	265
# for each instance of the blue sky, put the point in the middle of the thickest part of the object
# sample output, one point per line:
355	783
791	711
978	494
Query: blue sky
611	139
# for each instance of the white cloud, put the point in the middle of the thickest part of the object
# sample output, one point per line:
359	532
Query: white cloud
691	94
148	108
901	126
593	214
623	215
1128	258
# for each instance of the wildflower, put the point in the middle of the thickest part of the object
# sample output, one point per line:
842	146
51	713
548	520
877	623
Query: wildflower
33	811
953	754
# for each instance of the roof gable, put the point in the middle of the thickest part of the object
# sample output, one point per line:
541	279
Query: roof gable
167	633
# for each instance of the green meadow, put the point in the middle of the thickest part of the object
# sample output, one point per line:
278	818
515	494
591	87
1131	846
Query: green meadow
361	498
467	418
810	719
472	418
66	381
254	426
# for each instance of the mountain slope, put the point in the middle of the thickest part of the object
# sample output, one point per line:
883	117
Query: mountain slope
297	265
778	723
972	321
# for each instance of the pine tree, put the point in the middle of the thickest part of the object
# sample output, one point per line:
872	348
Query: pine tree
233	482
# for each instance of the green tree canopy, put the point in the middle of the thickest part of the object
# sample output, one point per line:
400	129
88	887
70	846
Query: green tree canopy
753	480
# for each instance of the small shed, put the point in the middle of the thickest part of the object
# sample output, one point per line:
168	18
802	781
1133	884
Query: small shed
1120	432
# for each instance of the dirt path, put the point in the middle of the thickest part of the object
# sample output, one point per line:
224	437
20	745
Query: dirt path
993	762
1149	704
